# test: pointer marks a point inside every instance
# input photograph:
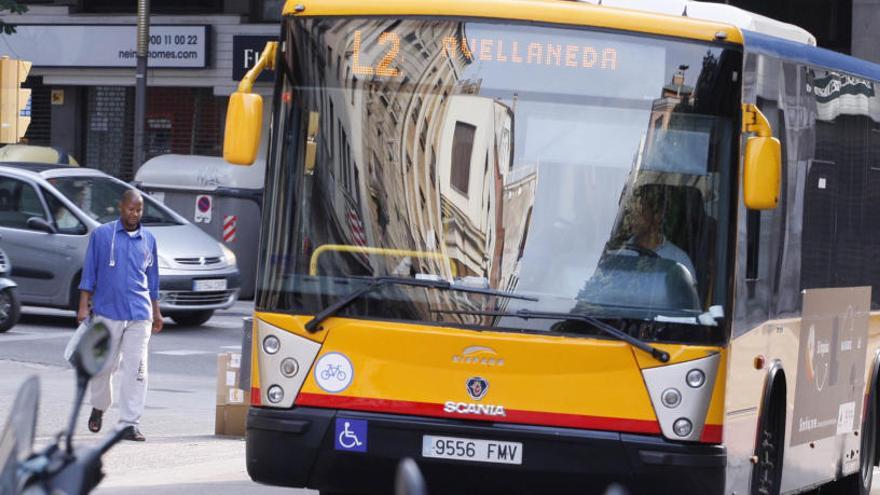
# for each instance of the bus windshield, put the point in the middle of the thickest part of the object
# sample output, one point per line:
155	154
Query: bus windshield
591	171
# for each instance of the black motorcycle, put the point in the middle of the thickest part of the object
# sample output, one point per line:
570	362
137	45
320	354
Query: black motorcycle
10	306
59	468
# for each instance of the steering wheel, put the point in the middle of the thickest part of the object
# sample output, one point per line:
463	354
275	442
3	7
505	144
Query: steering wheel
640	250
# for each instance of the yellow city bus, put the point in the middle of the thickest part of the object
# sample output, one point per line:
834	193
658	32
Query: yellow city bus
545	246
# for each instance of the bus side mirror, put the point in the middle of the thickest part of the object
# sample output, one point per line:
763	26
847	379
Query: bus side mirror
244	120
762	173
244	115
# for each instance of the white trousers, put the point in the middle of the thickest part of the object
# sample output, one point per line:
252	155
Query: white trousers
128	353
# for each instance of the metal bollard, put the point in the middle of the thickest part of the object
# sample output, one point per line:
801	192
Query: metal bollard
244	375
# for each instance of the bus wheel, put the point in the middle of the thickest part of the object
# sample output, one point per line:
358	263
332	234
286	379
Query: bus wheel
767	472
860	483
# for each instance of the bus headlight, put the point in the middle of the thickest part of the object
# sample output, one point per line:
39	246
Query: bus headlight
281	374
289	367
682	427
695	378
671	397
681	394
271	344
275	394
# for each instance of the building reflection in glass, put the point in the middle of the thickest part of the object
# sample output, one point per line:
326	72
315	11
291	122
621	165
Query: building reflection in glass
492	155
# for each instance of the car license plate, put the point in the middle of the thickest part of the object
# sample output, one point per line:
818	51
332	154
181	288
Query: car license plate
209	285
469	449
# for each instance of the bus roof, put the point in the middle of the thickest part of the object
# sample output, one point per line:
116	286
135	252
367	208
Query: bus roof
819	57
550	11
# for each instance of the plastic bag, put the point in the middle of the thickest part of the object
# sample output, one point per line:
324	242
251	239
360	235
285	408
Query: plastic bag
74	340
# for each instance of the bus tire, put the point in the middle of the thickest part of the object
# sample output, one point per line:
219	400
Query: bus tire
860	482
770	436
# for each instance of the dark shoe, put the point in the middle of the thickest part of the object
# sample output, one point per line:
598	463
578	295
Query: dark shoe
95	420
134	434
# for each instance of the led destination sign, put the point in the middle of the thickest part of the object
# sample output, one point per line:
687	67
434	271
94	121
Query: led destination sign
574	56
552	54
513	58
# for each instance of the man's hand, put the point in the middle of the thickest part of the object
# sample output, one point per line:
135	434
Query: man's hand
157	324
85	306
82	314
157	317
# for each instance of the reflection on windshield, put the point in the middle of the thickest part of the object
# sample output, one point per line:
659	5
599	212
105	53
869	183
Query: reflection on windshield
589	168
98	197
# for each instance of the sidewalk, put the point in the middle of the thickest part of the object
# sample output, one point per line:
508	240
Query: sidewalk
181	454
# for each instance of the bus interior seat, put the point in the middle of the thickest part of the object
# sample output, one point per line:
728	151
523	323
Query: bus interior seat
689	227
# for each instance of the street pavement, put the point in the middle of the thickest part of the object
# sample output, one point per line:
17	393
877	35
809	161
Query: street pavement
181	454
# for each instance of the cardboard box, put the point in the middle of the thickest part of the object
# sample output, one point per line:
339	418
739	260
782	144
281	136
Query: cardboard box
232	405
230	420
228	369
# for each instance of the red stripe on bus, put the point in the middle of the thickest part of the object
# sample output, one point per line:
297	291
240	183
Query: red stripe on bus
711	434
256	400
511	416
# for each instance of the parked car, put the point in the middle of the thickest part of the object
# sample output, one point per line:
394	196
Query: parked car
10	306
47	213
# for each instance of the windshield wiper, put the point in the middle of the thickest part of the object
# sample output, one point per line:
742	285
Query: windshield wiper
312	325
526	314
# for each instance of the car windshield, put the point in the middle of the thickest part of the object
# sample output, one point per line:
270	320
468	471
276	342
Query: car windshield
98	197
591	170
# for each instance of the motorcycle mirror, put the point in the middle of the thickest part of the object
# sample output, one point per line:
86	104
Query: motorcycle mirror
92	350
90	353
409	479
17	437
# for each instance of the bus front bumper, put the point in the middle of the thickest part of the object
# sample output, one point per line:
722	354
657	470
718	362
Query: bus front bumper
297	447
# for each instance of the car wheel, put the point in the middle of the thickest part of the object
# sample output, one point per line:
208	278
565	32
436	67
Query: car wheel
192	318
10	308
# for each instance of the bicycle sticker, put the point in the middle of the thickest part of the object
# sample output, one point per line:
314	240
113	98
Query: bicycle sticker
351	435
334	372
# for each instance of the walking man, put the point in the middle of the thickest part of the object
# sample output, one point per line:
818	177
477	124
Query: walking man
120	288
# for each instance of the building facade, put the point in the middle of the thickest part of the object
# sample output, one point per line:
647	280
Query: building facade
83	74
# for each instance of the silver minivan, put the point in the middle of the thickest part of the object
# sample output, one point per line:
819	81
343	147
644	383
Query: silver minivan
47	213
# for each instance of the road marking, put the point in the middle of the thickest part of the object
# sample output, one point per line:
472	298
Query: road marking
216	324
182	352
29	337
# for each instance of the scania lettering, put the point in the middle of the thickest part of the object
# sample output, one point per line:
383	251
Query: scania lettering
465	408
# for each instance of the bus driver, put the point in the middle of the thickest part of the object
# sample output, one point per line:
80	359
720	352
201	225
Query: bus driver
644	222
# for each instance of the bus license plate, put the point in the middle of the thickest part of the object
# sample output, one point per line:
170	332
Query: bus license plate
209	285
469	449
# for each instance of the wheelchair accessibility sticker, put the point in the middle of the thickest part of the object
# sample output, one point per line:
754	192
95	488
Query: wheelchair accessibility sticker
351	435
334	372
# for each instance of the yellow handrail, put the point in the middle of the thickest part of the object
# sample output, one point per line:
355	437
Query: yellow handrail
345	248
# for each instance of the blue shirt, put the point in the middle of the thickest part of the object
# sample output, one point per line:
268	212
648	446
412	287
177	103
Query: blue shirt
124	290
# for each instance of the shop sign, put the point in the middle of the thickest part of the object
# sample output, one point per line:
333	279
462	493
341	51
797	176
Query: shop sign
246	51
74	45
